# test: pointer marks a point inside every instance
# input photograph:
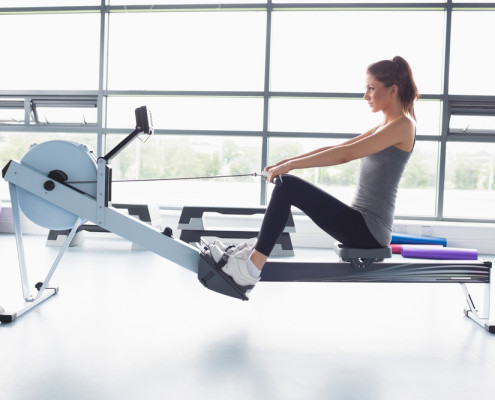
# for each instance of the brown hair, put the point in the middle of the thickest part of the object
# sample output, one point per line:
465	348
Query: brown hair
397	72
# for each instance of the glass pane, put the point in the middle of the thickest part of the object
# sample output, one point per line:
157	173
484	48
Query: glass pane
471	62
417	190
472	123
330	51
349	3
49	3
12	111
13	146
50	51
74	116
321	115
163	156
187	51
429	116
469	186
160	2
342	116
201	113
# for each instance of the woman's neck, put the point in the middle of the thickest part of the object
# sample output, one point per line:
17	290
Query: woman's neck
391	117
393	112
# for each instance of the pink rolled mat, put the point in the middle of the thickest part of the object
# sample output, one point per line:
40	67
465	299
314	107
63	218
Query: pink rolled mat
439	253
397	248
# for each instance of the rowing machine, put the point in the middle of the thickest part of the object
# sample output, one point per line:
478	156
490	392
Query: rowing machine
62	185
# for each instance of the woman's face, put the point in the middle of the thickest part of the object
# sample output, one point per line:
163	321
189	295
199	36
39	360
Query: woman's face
377	95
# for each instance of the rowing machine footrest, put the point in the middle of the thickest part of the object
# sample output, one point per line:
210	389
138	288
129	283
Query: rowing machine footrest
216	280
362	258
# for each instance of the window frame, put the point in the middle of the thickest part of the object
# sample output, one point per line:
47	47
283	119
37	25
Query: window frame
450	103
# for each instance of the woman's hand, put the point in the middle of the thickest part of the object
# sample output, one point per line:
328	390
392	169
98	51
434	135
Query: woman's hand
280	168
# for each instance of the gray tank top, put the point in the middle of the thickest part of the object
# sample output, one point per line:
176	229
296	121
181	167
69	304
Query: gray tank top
376	191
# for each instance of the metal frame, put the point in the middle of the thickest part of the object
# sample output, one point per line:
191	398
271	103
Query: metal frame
269	7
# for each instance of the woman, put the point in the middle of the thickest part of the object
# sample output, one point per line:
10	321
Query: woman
384	151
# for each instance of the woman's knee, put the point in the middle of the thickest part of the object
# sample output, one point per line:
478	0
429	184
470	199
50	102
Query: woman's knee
289	182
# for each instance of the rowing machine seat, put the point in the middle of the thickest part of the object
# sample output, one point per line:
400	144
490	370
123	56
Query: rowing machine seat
362	258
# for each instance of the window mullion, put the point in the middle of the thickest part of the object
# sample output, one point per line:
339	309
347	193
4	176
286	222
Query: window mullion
445	114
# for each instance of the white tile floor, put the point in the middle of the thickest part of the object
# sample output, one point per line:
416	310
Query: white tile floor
128	324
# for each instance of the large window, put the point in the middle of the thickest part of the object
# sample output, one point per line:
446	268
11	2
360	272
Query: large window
236	84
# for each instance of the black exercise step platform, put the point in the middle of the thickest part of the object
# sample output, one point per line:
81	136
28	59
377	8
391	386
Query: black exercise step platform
192	228
149	213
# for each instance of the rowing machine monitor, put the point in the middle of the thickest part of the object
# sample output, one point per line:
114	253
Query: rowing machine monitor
144	120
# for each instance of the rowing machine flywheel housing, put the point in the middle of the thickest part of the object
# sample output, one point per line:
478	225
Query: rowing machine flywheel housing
76	161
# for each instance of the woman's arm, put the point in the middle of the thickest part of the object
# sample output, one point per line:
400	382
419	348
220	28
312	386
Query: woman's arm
320	150
269	167
398	133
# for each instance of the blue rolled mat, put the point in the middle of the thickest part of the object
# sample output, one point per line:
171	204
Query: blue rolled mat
439	253
400	238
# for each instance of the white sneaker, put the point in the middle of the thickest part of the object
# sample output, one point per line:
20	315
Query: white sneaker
220	251
230	249
237	268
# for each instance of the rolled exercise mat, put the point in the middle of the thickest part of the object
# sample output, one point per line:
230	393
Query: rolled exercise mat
439	253
400	238
397	248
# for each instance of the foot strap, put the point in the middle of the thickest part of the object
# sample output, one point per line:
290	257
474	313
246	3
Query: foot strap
206	249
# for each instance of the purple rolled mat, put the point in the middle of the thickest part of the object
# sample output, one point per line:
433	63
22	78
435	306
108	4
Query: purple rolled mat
439	253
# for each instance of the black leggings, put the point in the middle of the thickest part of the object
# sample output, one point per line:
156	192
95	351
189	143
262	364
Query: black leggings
337	219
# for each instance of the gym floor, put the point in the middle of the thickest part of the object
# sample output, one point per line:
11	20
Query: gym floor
128	324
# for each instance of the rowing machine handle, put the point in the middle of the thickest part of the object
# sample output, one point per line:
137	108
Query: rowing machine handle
277	180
